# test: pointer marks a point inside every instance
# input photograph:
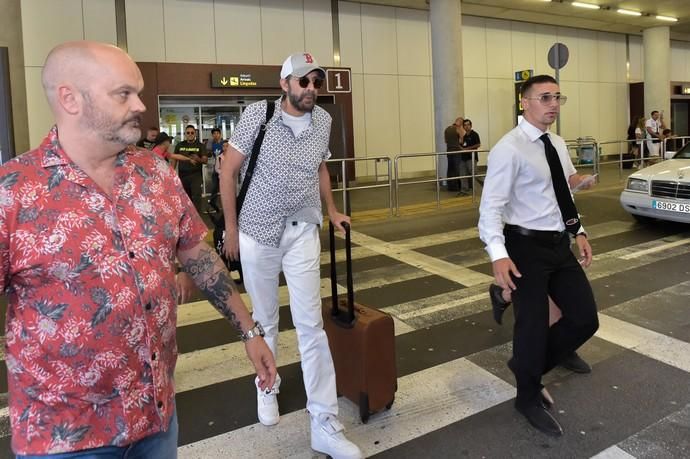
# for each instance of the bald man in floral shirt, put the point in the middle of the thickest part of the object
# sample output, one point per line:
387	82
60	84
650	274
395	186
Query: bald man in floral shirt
90	230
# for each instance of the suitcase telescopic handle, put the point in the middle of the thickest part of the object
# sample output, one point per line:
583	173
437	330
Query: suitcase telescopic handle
335	312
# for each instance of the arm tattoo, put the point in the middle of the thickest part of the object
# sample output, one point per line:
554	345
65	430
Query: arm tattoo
210	275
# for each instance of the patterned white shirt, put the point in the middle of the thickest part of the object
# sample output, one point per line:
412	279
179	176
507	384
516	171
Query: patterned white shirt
285	184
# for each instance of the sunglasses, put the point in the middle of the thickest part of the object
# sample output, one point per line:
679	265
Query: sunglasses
190	132
547	98
304	82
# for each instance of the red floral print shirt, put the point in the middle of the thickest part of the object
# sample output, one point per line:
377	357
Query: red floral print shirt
90	281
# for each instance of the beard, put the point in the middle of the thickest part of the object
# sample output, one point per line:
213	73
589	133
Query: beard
126	132
304	102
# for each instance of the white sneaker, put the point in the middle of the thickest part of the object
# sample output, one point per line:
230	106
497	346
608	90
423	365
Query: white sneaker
327	437
267	403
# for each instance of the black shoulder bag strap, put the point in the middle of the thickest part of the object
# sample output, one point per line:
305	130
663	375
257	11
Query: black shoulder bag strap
270	108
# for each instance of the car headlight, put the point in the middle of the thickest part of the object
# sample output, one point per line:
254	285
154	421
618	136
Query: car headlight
635	184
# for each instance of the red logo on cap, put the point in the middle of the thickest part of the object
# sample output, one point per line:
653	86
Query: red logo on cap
308	58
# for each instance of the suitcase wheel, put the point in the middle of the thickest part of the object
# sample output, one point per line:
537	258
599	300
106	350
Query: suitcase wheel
364	407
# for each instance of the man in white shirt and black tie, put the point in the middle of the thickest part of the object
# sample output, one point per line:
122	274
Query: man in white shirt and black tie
527	217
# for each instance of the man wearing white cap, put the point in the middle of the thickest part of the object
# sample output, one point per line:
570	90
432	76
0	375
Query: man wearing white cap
278	230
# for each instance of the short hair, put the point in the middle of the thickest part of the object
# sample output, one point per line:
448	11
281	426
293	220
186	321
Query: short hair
467	120
537	79
654	111
215	129
190	126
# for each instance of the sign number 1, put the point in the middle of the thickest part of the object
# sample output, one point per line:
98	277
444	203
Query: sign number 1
338	80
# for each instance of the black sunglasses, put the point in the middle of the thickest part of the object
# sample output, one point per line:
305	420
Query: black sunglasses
304	82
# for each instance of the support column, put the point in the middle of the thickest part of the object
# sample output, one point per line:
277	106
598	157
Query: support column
657	72
446	55
11	37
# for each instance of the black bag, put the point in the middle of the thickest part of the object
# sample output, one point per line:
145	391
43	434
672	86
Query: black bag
218	219
628	158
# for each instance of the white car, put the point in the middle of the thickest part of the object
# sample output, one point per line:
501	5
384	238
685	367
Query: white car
660	191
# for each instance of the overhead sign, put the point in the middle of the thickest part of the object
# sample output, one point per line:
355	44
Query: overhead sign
228	80
238	77
243	77
522	75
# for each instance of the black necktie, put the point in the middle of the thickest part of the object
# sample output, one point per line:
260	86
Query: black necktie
561	188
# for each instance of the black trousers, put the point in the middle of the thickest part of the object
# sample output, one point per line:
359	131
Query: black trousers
548	268
192	186
453	171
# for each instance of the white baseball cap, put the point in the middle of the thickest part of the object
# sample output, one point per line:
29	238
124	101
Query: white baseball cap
300	64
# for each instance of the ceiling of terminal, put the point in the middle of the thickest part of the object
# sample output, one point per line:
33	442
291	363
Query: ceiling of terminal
563	13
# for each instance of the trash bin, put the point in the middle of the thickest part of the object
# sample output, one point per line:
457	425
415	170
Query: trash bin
586	146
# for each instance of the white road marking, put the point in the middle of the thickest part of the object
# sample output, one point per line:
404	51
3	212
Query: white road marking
614	452
426	401
666	349
659	248
429	264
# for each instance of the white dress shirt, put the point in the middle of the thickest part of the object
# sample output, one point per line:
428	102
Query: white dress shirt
518	188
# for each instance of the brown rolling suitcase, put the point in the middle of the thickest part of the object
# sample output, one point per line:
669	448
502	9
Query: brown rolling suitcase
362	342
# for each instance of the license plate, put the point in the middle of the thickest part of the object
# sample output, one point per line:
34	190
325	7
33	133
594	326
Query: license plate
671	206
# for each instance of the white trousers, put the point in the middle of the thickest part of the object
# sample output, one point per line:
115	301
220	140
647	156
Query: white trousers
652	149
299	258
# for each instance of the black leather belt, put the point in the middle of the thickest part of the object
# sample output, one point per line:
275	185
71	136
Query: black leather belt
546	236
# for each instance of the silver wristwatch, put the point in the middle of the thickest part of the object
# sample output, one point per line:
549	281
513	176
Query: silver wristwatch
256	330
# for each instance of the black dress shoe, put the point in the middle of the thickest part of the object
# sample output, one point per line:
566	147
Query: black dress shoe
546	399
575	364
541	419
498	304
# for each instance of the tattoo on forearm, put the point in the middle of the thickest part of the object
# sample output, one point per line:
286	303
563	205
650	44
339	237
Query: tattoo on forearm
210	275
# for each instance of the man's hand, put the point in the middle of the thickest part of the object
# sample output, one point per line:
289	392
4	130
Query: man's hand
185	287
585	250
581	182
231	244
337	219
503	268
263	361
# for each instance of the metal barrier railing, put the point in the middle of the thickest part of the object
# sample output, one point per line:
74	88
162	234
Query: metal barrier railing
642	152
620	161
586	151
678	143
580	146
435	155
345	187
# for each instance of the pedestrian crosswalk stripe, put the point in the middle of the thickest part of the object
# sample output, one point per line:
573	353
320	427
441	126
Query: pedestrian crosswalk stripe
666	349
455	273
425	401
614	452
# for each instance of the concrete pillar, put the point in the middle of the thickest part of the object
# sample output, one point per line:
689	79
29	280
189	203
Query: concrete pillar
11	37
446	55
657	72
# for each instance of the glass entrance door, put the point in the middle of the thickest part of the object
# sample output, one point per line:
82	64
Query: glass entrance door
224	118
174	118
